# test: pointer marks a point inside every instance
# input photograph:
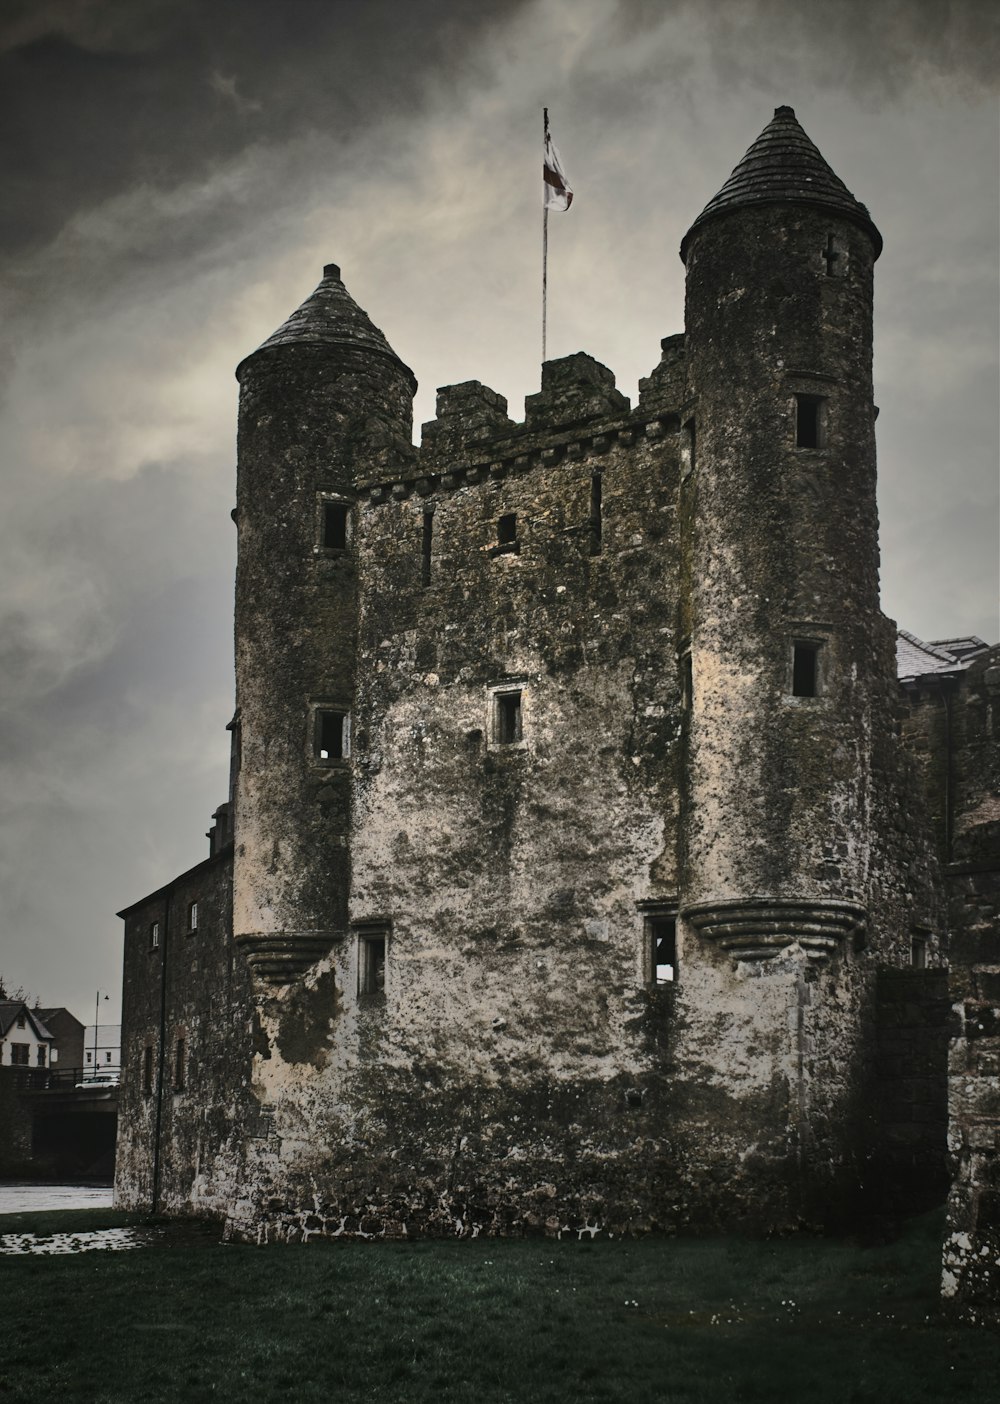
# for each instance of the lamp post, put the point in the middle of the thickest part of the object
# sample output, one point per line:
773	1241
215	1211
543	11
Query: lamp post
97	1018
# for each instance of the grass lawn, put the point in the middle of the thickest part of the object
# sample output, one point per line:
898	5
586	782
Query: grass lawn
654	1319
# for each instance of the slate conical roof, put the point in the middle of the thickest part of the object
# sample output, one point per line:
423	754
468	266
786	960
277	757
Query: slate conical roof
328	317
783	167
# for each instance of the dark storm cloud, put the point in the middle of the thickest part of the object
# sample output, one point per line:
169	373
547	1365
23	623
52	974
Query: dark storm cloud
873	48
99	97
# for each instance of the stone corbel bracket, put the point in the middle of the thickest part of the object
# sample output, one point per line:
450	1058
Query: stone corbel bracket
758	928
281	957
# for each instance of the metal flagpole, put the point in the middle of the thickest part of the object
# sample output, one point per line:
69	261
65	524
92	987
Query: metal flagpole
545	233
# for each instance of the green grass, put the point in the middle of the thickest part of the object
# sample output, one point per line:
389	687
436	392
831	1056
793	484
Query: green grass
653	1319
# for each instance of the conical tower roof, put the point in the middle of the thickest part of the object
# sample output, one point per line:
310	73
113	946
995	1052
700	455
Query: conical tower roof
328	317
783	167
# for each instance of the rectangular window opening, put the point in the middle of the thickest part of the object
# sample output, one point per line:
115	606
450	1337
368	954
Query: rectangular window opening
805	670
180	1064
661	934
192	916
687	682
508	718
22	1021
918	952
331	735
507	534
154	935
41	1055
427	542
147	1071
595	514
19	1055
334	529
808	421
371	965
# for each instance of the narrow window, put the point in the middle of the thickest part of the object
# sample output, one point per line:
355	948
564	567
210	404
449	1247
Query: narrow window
507	727
808	421
334	527
107	1056
688	460
595	514
192	917
331	735
147	1071
22	1022
805	670
835	257
371	964
918	952
687	682
154	935
427	542
180	1064
507	533
661	934
41	1055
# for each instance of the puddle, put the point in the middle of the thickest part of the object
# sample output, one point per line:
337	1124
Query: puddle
115	1240
32	1198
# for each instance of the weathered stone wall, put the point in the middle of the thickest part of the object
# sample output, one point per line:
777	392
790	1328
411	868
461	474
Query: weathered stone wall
970	1281
179	1141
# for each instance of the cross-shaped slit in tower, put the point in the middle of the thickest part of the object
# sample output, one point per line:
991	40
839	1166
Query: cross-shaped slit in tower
831	255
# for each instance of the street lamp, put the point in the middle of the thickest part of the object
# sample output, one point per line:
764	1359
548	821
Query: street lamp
97	1020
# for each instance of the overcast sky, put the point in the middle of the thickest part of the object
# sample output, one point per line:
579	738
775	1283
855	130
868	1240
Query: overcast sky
176	172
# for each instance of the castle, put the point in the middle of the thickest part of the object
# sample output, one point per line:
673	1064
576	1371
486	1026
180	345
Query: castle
586	866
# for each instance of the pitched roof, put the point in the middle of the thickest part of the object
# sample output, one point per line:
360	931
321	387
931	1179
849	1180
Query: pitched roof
328	317
784	167
917	659
11	1009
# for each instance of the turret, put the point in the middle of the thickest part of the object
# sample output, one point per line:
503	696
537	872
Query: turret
782	591
324	403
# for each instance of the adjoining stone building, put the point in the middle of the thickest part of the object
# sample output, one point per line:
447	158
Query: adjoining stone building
571	844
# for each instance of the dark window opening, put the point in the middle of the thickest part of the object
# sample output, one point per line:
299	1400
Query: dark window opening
918	952
19	1055
331	735
595	514
335	525
371	965
687	683
662	935
147	1071
154	935
425	549
805	670
22	1022
507	533
808	421
180	1064
192	916
41	1055
835	258
508	718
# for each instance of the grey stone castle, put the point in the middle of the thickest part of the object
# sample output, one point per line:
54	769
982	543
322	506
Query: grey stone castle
587	866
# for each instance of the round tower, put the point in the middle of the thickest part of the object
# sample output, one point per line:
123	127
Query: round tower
782	594
324	404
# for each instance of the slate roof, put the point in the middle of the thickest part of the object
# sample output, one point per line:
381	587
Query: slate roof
328	317
917	659
784	167
9	1011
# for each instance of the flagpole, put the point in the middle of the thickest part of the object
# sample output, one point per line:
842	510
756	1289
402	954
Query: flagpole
545	236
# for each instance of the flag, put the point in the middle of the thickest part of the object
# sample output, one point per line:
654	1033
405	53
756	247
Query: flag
556	192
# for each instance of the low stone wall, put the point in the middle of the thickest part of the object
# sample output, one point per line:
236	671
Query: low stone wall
970	1283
